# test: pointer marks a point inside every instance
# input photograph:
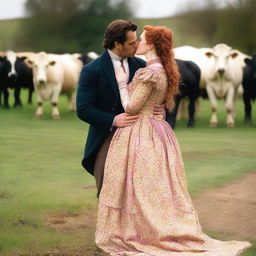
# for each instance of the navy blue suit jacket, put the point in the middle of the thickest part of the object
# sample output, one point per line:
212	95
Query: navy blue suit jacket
98	102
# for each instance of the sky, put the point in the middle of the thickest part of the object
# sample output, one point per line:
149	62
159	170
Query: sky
143	8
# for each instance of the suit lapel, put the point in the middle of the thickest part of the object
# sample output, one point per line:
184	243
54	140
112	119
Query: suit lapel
108	68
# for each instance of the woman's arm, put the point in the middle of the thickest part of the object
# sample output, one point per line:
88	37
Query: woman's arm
134	102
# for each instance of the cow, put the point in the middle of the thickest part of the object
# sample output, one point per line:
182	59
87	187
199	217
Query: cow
3	78
249	86
85	58
189	87
54	74
221	75
15	74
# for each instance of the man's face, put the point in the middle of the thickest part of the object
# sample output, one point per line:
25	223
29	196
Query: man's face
129	47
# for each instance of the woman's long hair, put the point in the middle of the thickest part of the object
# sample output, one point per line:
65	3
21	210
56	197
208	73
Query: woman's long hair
161	38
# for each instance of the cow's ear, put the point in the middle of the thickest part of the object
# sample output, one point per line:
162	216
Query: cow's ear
208	54
29	62
52	63
23	58
2	58
248	61
234	55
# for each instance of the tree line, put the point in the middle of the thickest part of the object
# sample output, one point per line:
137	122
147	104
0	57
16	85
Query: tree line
78	25
68	25
234	25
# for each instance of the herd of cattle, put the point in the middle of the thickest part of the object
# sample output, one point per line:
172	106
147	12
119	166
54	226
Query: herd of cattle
224	72
47	74
217	73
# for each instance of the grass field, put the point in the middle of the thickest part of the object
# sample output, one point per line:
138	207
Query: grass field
40	170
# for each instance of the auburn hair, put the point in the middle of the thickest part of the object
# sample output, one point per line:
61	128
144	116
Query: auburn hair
162	39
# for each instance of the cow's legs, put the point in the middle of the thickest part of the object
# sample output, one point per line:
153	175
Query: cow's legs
30	92
55	110
39	110
191	111
229	106
247	107
214	106
171	117
55	102
17	101
72	101
6	97
182	113
1	90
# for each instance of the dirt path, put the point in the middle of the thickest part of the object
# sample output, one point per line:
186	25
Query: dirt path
228	212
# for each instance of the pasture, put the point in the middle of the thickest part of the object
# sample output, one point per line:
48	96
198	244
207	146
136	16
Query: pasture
41	174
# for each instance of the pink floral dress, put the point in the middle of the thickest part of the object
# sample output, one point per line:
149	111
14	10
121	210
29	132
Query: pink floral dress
144	206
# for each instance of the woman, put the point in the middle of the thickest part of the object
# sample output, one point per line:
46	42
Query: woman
144	206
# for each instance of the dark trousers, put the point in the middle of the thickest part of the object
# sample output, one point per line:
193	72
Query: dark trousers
100	162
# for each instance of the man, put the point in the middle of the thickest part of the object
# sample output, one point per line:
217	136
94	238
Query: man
98	98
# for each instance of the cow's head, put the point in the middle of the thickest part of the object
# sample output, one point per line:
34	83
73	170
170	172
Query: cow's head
40	64
11	62
222	55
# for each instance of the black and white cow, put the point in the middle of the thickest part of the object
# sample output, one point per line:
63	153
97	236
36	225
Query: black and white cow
189	87
249	86
87	57
15	74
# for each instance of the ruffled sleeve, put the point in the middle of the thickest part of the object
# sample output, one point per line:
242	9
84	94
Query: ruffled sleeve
145	80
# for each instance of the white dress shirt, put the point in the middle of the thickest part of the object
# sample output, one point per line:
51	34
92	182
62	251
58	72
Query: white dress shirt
116	60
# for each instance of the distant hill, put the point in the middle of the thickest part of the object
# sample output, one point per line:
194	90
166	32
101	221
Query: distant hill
8	33
183	35
9	29
199	28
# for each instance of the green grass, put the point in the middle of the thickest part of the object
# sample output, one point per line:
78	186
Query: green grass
40	170
216	156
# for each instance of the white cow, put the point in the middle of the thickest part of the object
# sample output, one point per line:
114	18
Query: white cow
221	75
53	74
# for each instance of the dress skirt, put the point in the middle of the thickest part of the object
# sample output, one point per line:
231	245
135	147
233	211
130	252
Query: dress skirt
144	206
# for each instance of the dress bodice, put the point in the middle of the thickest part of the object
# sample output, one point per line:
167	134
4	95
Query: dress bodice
148	87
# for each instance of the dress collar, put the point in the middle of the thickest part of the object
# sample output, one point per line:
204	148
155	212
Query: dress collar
158	61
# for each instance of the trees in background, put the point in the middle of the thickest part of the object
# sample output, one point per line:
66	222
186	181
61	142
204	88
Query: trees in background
237	25
79	25
69	25
233	24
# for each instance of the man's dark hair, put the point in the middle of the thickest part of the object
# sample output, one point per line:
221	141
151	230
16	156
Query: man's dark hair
116	31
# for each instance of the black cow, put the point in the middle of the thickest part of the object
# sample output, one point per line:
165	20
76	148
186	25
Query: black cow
249	86
88	57
3	77
189	87
16	77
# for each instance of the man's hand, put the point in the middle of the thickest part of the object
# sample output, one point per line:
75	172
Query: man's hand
124	119
159	110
